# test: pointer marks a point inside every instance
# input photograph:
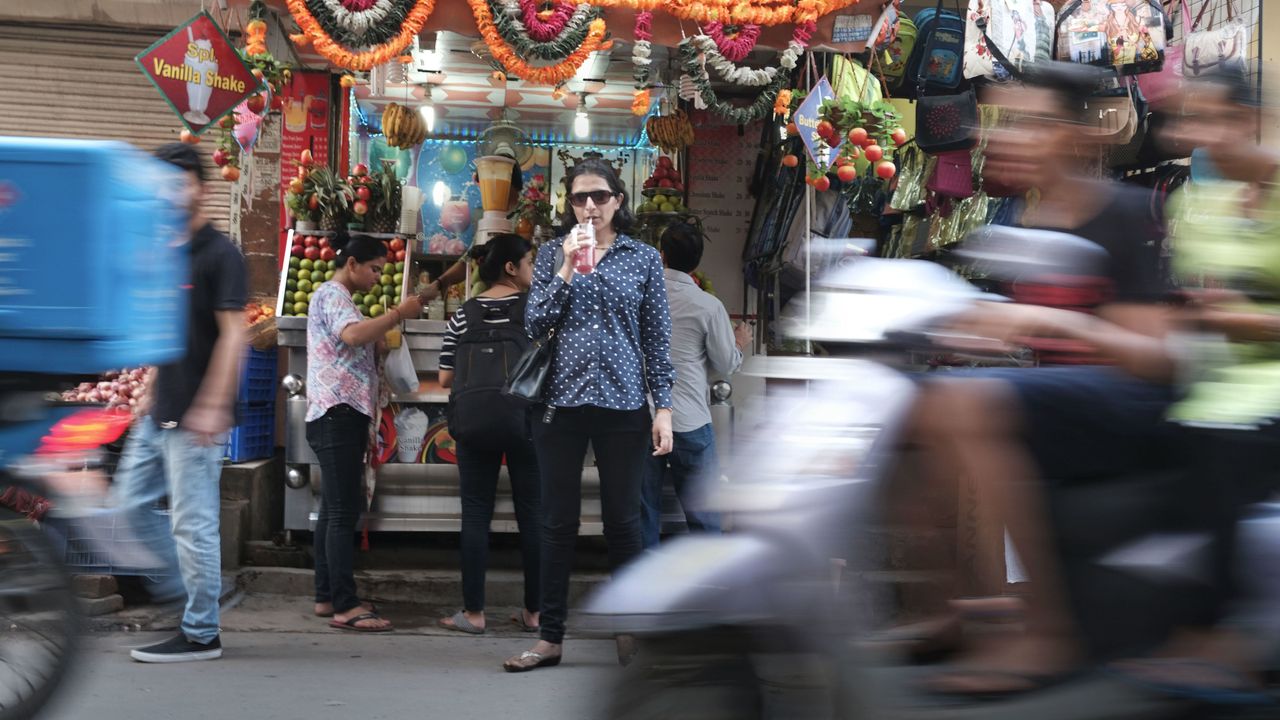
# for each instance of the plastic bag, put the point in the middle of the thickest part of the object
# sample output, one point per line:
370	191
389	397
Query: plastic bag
400	373
411	430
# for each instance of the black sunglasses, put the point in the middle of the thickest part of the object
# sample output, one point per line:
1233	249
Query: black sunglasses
599	197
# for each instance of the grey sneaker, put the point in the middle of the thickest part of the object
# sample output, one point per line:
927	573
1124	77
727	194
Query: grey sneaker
178	649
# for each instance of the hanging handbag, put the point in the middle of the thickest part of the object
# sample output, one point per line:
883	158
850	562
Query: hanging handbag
1209	48
1163	86
1111	120
946	122
1008	33
953	174
1128	35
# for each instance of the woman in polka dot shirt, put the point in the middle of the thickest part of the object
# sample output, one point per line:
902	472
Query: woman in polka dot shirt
612	347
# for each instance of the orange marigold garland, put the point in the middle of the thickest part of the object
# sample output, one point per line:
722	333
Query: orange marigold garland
341	56
540	75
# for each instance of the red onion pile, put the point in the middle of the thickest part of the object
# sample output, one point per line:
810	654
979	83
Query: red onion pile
117	389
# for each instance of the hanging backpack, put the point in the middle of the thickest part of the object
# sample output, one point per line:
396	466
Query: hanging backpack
897	53
1127	35
480	414
937	61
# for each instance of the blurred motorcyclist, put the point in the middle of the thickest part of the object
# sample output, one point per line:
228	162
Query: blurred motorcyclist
1077	422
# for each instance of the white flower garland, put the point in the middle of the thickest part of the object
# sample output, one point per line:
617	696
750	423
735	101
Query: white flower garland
358	23
641	53
744	75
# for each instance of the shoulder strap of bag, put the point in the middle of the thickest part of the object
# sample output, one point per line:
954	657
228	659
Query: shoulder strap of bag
1203	8
473	312
996	52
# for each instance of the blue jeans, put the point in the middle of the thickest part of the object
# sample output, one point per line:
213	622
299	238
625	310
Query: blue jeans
168	462
691	463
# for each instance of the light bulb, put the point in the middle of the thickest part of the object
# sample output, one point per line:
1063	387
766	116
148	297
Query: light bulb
428	112
439	193
581	126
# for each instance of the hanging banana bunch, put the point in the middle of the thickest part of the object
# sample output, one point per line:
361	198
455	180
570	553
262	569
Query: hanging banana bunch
671	133
403	127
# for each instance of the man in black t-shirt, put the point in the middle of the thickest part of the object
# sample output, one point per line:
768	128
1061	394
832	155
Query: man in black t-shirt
1093	420
175	449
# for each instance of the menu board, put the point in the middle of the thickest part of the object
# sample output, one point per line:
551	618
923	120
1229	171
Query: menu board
721	163
305	108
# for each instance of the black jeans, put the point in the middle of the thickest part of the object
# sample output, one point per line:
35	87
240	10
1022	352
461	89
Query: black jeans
339	439
621	442
478	482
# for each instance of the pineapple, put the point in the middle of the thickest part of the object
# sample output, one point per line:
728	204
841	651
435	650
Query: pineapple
384	208
334	196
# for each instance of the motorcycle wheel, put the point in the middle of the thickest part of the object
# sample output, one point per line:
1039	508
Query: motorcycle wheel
40	620
716	676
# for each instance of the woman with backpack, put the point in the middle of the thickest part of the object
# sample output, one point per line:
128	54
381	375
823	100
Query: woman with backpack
481	345
612	339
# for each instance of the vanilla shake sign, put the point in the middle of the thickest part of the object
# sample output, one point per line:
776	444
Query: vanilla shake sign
198	71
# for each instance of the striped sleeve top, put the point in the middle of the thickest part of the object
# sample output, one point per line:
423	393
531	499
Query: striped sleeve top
457	325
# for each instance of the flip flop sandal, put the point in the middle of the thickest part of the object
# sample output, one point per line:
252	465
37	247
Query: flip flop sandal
518	619
460	623
352	626
529	660
368	605
1207	694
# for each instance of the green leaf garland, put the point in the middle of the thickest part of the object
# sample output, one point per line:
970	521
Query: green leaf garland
762	105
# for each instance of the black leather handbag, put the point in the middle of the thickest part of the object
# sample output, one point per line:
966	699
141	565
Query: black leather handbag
946	122
529	375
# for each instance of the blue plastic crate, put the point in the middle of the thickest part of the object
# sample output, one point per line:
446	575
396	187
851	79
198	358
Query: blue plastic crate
255	437
258	376
94	257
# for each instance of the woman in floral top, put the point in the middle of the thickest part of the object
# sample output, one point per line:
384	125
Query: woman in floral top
341	404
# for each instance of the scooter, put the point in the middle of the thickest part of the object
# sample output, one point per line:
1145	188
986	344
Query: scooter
751	624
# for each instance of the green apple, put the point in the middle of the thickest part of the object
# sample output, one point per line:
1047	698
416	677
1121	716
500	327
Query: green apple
294	261
328	274
293	273
306	264
385	301
317	276
399	267
300	308
291	285
299	296
398	278
357	298
304	285
375	310
387	280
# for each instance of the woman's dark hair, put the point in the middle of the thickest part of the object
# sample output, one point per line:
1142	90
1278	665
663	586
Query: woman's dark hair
1072	83
494	255
681	246
622	219
1232	78
182	156
360	248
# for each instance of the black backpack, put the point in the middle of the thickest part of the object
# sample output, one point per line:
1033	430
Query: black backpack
480	414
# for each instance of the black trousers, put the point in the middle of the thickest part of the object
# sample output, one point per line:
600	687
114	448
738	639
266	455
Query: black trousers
339	439
478	480
621	442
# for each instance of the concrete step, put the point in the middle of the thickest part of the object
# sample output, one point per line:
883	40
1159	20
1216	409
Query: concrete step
442	588
261	484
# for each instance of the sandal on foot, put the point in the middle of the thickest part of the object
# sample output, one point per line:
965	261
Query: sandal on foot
367	606
353	626
518	619
1237	690
460	623
1027	683
530	660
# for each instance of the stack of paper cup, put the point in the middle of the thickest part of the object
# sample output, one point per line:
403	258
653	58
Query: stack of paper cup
410	209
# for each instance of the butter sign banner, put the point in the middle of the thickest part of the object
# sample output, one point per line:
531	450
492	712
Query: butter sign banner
198	72
806	119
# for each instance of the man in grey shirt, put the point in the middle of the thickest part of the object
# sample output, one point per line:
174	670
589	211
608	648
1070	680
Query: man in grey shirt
704	343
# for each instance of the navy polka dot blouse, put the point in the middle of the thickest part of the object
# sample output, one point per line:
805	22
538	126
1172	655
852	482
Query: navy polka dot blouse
613	330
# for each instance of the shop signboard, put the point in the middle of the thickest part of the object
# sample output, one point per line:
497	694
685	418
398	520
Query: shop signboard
806	119
199	73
